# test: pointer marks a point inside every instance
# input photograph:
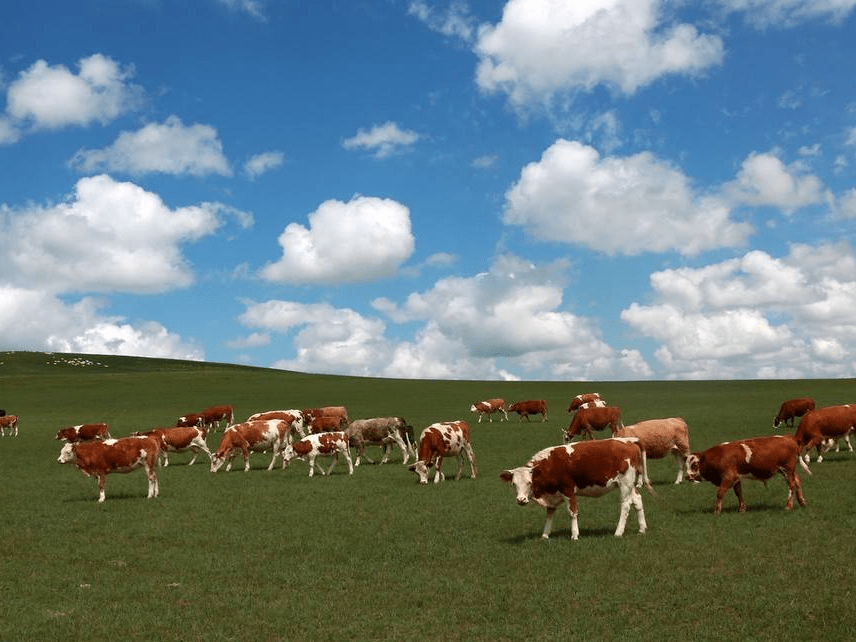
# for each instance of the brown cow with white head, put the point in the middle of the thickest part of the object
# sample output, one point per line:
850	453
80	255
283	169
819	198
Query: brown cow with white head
792	408
488	407
822	427
444	439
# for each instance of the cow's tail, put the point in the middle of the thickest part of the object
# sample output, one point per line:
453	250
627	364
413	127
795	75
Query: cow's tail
803	464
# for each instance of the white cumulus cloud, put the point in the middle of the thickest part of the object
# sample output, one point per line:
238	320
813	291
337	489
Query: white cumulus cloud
383	140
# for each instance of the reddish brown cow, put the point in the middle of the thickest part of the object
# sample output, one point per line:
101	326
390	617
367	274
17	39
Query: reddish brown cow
488	407
448	438
251	436
212	416
584	398
759	458
191	419
83	432
10	423
586	469
325	411
99	458
822	424
588	419
328	443
530	407
792	408
178	440
333	423
294	419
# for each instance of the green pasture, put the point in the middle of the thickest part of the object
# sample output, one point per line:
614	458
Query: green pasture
263	556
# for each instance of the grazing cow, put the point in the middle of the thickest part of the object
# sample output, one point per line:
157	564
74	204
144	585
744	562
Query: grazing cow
657	437
792	408
191	419
587	419
179	439
327	443
439	440
332	423
581	469
759	458
585	398
10	423
99	458
212	416
488	407
325	411
294	419
822	424
379	431
83	432
531	407
250	436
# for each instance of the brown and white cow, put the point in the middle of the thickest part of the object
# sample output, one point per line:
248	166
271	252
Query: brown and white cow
488	407
444	439
325	411
10	423
294	419
327	423
247	437
657	438
792	408
587	419
582	469
585	398
379	431
83	432
178	439
530	407
213	415
758	458
320	444
100	458
191	419
821	427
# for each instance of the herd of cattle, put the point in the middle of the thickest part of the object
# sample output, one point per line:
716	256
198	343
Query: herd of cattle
551	477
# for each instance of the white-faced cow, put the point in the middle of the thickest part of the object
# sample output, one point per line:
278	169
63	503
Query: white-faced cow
585	398
212	416
83	432
587	419
379	431
99	458
294	419
821	427
530	407
320	444
191	419
179	439
247	437
10	423
790	409
583	469
444	439
659	437
488	407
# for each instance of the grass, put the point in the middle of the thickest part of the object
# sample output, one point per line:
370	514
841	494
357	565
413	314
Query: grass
279	556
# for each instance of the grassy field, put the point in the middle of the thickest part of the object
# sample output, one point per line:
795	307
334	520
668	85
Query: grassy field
276	555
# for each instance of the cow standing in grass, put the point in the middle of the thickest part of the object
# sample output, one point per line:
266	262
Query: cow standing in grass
444	439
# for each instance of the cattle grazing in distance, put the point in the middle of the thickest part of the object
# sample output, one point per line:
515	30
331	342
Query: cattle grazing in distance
444	439
790	409
583	469
213	415
294	419
379	431
817	427
179	439
530	407
320	444
83	432
657	438
599	418
100	458
584	399
247	437
10	423
758	458
488	407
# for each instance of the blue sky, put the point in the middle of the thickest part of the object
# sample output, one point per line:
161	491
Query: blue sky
538	190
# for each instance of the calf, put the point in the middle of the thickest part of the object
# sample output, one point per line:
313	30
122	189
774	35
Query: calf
178	440
99	458
792	408
251	436
294	419
379	431
10	423
657	438
585	398
327	443
759	458
489	407
587	419
531	407
439	440
83	432
582	469
822	427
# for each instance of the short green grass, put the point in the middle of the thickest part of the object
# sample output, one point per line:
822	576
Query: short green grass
279	556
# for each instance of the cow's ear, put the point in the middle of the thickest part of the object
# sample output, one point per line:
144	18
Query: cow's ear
506	476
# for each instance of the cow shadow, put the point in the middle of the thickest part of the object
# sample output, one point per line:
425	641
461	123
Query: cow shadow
560	534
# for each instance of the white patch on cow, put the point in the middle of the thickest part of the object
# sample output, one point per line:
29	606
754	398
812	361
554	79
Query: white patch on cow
748	452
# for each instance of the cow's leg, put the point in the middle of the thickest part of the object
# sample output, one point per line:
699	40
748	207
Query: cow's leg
548	525
195	451
505	414
794	488
246	452
738	490
102	481
574	512
460	464
468	448
347	453
636	498
723	488
681	461
152	474
334	459
368	459
438	470
312	465
276	453
625	485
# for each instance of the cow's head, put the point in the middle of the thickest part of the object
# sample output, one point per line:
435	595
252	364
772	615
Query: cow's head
218	459
67	454
421	469
288	453
522	480
693	468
